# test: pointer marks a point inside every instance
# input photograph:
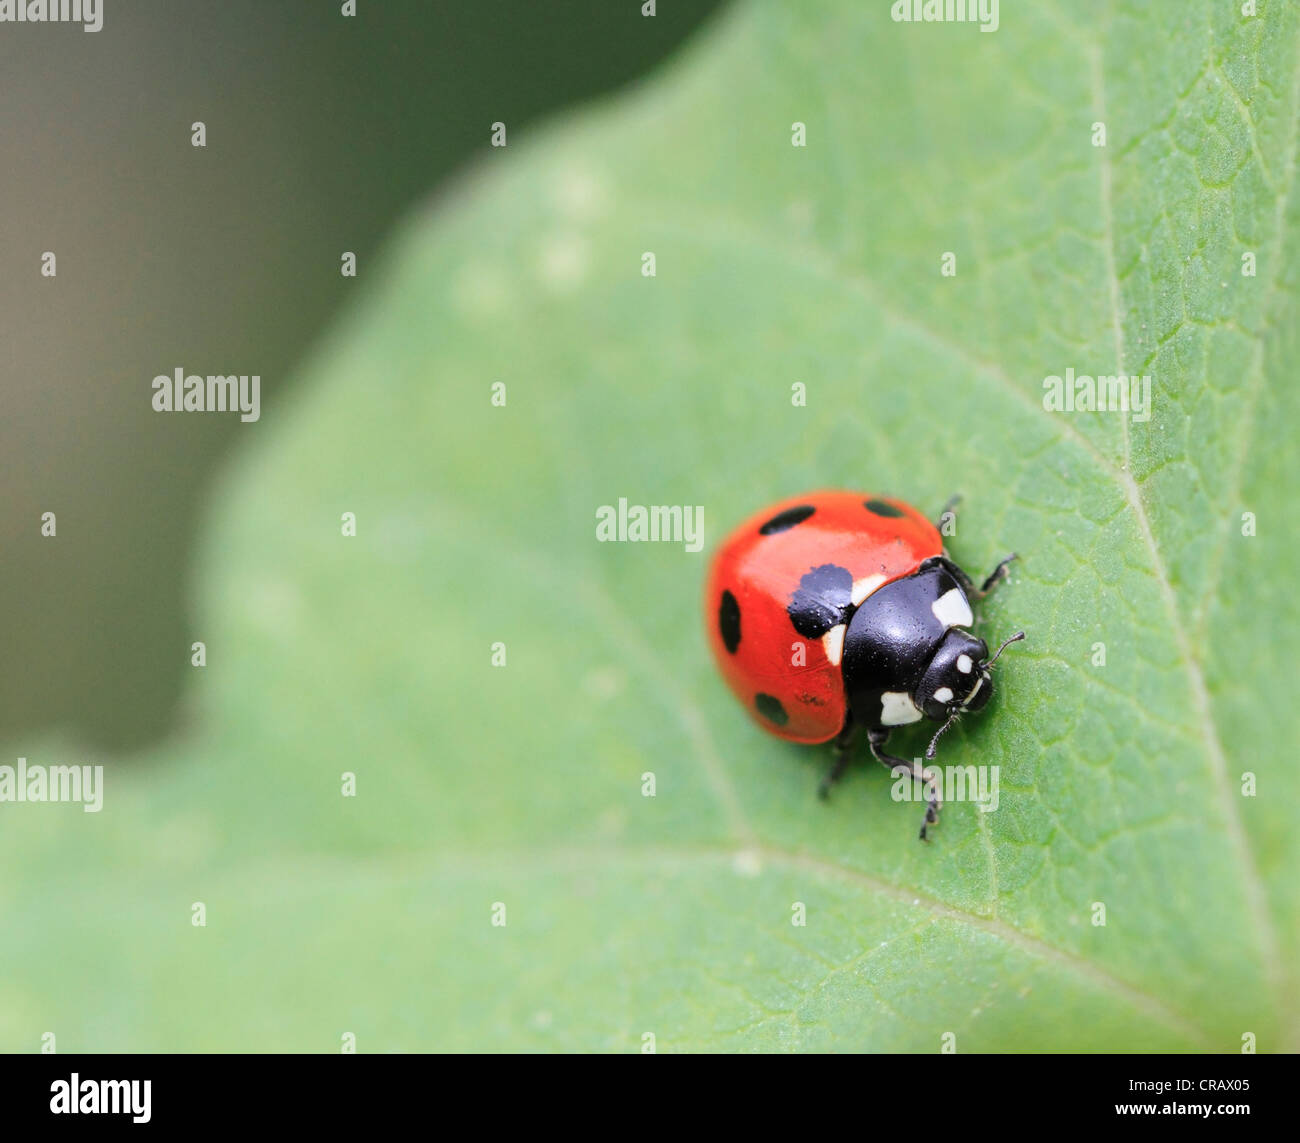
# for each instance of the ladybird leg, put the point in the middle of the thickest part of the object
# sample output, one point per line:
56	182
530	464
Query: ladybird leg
953	501
954	570
842	753
918	771
997	575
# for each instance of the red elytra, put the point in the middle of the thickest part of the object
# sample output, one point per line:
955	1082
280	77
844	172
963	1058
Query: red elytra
760	566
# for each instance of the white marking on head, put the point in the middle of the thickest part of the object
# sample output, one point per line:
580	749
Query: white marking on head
952	610
833	644
898	709
979	682
964	664
943	694
864	587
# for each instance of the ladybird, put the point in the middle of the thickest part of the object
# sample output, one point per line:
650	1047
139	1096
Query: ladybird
840	611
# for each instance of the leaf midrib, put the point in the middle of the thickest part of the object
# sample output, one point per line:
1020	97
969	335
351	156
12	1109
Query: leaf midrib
708	228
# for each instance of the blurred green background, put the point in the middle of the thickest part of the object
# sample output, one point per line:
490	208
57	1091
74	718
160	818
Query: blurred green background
321	130
1153	780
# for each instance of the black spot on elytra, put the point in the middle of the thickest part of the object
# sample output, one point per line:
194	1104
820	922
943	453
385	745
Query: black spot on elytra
784	521
880	508
822	601
771	709
729	621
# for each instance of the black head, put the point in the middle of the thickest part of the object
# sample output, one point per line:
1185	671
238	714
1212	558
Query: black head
957	678
939	698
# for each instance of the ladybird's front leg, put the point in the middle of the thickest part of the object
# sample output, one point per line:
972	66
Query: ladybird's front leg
917	771
948	508
842	752
997	575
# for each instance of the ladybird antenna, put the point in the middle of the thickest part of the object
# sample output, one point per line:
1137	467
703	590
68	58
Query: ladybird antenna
1005	643
929	750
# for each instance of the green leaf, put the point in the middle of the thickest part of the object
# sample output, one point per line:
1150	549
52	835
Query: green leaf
1120	785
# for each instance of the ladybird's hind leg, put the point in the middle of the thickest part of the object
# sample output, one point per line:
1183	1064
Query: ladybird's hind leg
842	752
918	771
